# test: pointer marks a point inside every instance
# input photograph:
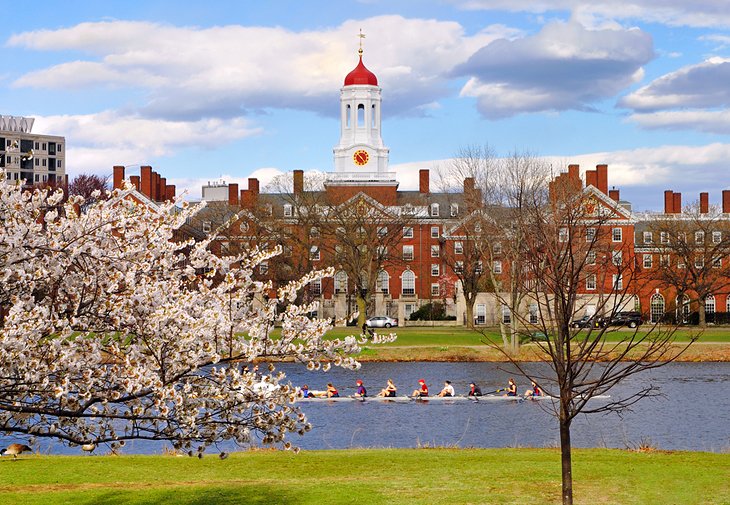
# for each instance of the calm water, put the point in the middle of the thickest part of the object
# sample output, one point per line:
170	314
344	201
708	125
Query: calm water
692	414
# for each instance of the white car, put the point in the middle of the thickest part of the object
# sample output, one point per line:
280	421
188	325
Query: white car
381	322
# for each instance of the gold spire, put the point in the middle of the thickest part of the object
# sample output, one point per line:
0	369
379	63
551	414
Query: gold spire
362	36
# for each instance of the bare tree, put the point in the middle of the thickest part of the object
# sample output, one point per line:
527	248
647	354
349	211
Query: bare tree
573	258
86	184
694	255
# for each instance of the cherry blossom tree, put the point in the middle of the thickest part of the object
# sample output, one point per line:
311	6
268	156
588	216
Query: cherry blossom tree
110	330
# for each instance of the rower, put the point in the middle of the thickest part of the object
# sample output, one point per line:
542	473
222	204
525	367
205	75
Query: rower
422	389
304	392
389	390
534	390
361	391
332	391
474	390
448	389
511	388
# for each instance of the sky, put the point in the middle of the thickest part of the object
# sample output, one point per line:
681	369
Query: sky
213	90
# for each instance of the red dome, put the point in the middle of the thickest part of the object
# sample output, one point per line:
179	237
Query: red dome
361	75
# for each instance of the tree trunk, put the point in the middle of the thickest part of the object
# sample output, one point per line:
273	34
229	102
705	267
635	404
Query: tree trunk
702	314
469	311
565	453
362	310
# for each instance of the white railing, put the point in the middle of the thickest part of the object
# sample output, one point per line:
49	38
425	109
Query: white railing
361	176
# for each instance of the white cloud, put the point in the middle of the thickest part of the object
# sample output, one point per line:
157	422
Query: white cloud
565	66
709	121
222	71
697	13
95	142
700	85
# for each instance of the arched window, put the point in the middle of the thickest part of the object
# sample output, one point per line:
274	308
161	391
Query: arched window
682	308
340	282
360	115
408	280
709	304
657	308
372	116
348	114
383	285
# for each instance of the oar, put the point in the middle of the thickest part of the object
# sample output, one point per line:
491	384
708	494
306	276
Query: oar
495	391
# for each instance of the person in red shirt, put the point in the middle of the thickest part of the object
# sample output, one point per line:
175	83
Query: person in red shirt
332	391
422	390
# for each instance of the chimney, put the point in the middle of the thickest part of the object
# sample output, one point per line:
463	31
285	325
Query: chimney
298	182
161	194
423	181
614	194
704	203
726	201
591	178
155	186
135	182
677	203
118	176
146	185
602	178
253	185
170	192
233	194
669	202
574	172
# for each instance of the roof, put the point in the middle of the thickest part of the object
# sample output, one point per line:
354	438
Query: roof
361	76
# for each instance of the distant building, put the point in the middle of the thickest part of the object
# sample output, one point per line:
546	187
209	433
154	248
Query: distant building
32	157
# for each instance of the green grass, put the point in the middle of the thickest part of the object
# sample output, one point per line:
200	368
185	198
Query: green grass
416	476
428	336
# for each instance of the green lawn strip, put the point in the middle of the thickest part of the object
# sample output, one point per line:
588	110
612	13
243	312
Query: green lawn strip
421	476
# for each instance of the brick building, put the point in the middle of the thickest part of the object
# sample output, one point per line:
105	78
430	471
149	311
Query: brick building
396	250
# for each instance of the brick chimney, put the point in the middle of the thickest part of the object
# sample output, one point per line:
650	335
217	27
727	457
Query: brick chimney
669	202
146	184
677	203
136	182
704	203
170	192
298	182
161	195
155	186
253	185
591	178
118	176
602	178
613	194
423	181
726	201
233	194
574	172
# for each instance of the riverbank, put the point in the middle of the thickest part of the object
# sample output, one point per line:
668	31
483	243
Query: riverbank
415	476
436	343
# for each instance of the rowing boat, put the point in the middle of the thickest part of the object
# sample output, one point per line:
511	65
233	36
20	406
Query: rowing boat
437	399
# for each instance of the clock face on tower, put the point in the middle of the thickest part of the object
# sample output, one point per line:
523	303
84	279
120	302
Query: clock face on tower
361	158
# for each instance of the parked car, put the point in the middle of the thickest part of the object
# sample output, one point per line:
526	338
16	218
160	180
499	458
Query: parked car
381	322
632	319
585	322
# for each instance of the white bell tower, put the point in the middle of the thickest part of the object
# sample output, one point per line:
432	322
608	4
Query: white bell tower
360	155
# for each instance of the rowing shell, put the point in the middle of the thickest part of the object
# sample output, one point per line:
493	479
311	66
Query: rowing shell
437	399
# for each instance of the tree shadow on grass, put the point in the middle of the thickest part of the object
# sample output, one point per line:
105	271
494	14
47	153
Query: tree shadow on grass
222	495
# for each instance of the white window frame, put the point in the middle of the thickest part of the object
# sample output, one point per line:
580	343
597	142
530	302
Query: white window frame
497	267
617	282
435	269
435	289
663	237
591	282
314	253
716	237
647	261
288	210
591	258
407	253
458	247
435	210
699	237
454	208
563	235
590	234
434	232
408	232
617	235
497	248
617	257
648	238
408	283
435	251
207	226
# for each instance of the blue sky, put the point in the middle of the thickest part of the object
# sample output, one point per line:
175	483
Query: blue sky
229	89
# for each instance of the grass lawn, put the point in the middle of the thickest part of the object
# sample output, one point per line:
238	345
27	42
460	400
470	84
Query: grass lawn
410	476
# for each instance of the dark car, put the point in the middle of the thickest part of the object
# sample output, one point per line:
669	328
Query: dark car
585	322
632	319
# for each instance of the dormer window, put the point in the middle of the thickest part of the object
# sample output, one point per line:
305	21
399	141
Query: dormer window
434	210
288	210
454	209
